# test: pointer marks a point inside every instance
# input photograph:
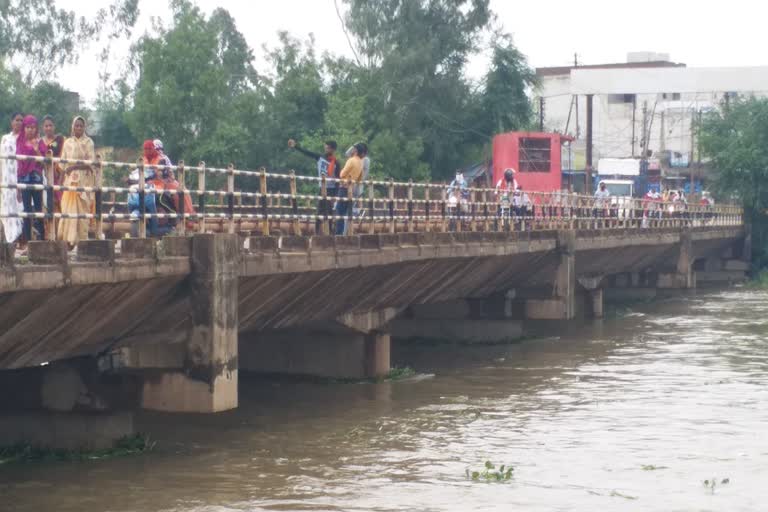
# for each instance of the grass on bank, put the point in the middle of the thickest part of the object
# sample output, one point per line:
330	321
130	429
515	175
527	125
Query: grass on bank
28	453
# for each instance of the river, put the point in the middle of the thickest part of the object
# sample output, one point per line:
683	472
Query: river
631	413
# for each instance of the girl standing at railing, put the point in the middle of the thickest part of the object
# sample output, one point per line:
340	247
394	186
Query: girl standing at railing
9	198
54	143
77	147
30	172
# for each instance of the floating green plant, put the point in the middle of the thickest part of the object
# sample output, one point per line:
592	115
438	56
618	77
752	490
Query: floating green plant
491	474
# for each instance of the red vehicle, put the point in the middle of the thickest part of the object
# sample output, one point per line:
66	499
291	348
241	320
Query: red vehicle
535	156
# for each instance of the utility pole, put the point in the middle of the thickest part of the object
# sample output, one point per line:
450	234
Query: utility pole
662	135
693	142
541	113
578	127
634	115
645	129
588	169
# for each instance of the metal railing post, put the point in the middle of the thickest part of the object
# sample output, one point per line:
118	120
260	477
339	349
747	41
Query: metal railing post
295	228
409	206
182	225
443	206
98	179
142	198
391	205
201	198
428	207
265	228
371	207
322	211
349	228
50	220
231	198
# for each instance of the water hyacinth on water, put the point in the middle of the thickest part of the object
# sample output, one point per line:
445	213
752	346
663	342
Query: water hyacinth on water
491	474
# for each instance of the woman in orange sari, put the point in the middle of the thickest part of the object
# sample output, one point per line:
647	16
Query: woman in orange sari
165	182
77	147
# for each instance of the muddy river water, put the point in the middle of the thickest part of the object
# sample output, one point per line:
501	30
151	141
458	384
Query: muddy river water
631	413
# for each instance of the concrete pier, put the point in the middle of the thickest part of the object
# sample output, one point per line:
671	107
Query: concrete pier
207	381
562	304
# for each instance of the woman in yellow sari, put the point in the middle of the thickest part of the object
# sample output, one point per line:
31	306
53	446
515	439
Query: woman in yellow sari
77	147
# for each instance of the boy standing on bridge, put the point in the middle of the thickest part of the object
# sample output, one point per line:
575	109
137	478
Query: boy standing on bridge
328	166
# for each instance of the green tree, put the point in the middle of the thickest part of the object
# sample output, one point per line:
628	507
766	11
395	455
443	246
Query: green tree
505	105
42	37
415	52
47	98
187	81
733	138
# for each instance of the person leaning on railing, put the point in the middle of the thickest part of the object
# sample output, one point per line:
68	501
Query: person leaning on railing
351	174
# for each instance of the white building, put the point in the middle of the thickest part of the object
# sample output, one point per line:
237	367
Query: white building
648	104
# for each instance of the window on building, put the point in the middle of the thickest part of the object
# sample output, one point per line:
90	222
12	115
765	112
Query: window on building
621	98
535	155
670	96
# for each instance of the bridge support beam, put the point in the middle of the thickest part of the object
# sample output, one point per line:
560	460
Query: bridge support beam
684	277
562	304
466	321
328	353
207	381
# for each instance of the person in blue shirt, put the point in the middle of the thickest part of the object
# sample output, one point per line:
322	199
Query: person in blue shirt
329	166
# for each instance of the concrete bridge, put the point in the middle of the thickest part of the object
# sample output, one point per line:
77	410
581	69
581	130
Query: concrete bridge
166	325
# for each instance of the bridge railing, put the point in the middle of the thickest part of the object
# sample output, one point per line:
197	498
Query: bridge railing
232	200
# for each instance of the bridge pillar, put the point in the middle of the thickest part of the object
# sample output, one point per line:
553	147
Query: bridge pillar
207	381
594	297
562	304
684	276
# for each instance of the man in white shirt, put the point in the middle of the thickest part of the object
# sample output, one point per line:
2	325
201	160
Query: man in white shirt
602	196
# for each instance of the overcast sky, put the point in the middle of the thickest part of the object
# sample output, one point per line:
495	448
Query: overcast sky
549	33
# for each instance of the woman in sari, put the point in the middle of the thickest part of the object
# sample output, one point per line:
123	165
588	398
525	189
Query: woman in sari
30	172
77	147
172	185
54	143
9	204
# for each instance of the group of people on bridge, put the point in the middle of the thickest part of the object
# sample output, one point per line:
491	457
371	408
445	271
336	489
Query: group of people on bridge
26	139
65	187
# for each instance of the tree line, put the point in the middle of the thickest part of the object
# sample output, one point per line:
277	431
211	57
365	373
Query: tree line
193	83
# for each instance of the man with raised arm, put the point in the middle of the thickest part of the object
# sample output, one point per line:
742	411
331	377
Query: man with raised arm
328	166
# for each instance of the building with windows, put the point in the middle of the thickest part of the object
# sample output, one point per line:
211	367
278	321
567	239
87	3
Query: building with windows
648	107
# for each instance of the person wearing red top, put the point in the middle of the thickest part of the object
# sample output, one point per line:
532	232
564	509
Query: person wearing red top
29	172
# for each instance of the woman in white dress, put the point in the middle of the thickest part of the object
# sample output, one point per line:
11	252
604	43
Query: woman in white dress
9	204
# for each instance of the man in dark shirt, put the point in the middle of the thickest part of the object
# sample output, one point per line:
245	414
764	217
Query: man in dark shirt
328	166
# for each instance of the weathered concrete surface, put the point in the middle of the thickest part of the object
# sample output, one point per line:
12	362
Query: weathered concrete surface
66	431
58	311
457	330
562	305
334	354
207	381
